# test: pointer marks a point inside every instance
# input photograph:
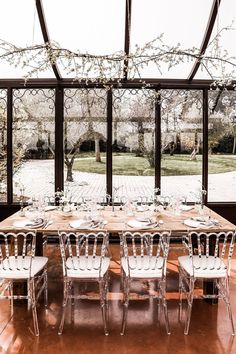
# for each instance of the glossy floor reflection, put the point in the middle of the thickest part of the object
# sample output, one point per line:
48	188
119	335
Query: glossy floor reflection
210	330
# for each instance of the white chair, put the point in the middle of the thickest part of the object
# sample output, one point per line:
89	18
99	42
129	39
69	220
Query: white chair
144	257
19	264
209	259
85	259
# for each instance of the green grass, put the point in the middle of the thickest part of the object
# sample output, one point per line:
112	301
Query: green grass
130	165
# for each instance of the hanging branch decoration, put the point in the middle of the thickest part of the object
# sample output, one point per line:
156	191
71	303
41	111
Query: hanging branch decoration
104	69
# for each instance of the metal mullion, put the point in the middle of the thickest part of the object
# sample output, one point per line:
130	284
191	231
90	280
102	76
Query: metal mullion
59	139
157	142
109	144
206	38
127	36
45	33
9	146
205	144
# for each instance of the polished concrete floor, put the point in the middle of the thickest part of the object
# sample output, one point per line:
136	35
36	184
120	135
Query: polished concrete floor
210	330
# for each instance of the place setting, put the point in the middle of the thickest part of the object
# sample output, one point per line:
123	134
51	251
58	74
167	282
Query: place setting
201	222
31	224
143	223
85	224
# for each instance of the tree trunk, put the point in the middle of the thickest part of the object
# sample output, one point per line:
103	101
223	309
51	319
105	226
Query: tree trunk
140	151
234	145
69	173
97	151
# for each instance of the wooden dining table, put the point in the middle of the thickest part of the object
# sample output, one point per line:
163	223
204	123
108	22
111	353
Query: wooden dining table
117	221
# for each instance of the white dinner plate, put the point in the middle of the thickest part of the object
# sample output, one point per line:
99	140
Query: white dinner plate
200	224
50	207
80	224
141	208
184	207
19	224
192	223
141	225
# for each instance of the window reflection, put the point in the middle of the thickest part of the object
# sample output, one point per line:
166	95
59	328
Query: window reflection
181	127
33	142
222	146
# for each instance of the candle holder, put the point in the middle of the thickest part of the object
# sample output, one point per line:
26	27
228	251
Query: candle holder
22	192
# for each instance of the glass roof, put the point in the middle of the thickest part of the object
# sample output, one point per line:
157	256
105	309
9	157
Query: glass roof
90	26
21	30
181	21
226	18
98	27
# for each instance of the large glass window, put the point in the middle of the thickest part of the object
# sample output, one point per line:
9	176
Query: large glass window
3	145
133	142
33	142
222	146
181	127
85	135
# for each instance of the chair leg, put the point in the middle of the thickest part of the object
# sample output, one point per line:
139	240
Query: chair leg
102	288
72	294
158	300
28	296
65	300
33	302
180	296
190	304
11	297
164	304
228	304
126	284
45	280
106	296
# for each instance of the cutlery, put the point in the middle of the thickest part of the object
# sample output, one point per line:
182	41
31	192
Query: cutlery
49	222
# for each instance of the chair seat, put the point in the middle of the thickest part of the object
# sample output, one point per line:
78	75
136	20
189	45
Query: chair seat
19	268
86	267
204	267
143	267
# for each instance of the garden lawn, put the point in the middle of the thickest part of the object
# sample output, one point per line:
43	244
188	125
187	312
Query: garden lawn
131	165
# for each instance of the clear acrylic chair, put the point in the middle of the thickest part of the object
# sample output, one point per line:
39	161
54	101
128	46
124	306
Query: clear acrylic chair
19	264
85	259
209	259
144	257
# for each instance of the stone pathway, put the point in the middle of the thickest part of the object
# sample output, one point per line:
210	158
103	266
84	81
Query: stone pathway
37	176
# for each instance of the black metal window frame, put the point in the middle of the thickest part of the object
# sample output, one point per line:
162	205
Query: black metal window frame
59	141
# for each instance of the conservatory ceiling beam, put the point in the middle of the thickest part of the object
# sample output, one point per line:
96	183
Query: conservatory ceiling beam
45	34
207	36
127	36
68	83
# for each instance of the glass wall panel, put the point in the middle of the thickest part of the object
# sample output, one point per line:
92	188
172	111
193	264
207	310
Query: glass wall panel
33	142
3	145
181	126
85	136
133	142
222	146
